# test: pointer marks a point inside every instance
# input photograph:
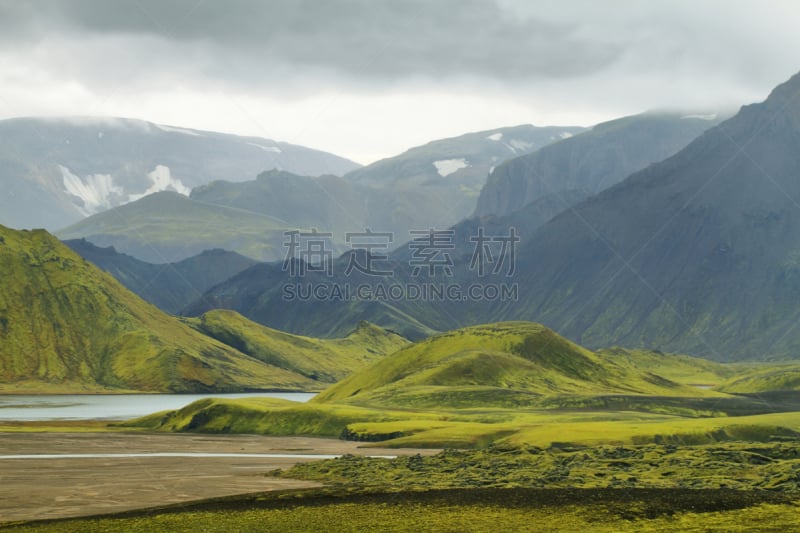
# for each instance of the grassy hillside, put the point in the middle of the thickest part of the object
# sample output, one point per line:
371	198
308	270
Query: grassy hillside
779	377
66	324
495	364
324	360
516	383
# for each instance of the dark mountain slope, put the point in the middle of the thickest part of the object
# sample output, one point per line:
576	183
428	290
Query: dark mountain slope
171	286
591	161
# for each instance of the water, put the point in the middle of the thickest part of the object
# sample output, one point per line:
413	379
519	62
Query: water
111	406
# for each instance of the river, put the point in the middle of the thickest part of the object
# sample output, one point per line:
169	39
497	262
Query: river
110	406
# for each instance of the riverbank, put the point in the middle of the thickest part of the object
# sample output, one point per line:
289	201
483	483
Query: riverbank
68	487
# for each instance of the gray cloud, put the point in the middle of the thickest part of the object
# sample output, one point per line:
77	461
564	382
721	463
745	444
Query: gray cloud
368	78
364	38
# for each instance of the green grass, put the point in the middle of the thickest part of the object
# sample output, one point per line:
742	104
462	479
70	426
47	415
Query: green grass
775	377
479	510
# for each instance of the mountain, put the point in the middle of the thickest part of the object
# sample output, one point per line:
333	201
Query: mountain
55	171
466	159
324	360
591	161
166	227
328	203
698	254
66	326
171	286
437	184
493	364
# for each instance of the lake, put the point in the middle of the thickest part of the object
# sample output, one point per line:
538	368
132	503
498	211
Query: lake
111	406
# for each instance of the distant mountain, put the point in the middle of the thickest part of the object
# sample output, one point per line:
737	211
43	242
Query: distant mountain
66	326
328	203
55	171
172	286
437	184
466	159
591	161
167	227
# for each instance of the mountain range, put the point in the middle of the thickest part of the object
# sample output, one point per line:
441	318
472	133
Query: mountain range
394	195
56	171
413	191
696	254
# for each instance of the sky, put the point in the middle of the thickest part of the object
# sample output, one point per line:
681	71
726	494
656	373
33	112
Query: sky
367	79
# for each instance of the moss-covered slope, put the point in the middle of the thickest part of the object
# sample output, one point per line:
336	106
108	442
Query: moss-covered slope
496	364
325	360
67	326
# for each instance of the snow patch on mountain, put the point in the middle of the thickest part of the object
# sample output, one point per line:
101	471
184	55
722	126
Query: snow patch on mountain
97	192
162	180
445	167
565	135
495	136
515	145
273	149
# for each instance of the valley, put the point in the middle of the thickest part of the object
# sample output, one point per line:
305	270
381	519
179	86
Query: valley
546	327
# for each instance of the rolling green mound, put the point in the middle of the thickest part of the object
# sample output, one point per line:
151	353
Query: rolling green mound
66	326
499	364
325	360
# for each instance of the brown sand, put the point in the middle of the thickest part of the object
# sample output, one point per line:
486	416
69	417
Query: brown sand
54	488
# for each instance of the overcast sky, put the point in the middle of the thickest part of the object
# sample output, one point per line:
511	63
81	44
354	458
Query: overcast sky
367	79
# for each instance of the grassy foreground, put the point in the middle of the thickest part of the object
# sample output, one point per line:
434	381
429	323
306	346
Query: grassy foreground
616	510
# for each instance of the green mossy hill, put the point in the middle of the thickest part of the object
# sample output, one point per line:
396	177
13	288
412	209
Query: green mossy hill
324	360
260	416
65	323
489	364
776	377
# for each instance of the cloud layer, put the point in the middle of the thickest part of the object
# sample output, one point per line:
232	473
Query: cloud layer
252	61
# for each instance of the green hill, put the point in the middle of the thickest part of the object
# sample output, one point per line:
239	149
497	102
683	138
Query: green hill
66	326
326	360
773	378
496	364
166	227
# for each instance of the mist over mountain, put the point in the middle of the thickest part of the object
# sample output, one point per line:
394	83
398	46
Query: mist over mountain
55	171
